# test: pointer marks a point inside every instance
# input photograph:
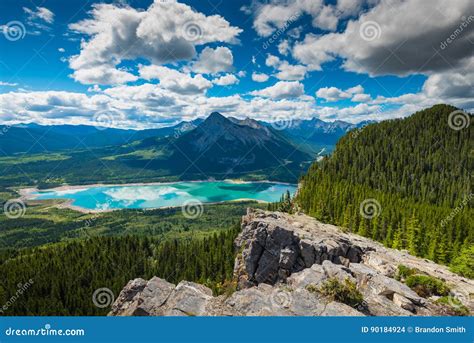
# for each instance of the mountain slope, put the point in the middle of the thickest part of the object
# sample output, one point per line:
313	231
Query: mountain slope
220	145
400	182
33	138
216	148
315	134
296	266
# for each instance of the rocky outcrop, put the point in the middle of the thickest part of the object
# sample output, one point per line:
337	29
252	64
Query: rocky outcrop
281	263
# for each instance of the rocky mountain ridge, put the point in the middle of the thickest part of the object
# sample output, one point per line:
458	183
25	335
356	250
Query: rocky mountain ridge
284	262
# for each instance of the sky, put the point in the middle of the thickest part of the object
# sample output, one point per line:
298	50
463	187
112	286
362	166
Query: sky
141	64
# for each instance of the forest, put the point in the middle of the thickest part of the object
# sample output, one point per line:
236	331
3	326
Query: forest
65	275
403	182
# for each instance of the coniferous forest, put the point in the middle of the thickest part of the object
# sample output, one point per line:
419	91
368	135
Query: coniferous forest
404	182
66	275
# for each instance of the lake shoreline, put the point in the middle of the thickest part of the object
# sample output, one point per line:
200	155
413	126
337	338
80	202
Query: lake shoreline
26	194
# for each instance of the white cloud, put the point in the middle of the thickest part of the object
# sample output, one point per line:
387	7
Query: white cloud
61	50
275	14
41	14
260	77
8	84
226	80
272	61
103	75
361	98
281	90
284	47
290	72
175	81
332	94
382	40
167	31
212	61
286	71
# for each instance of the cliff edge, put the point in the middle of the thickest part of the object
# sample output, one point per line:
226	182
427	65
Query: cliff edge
293	265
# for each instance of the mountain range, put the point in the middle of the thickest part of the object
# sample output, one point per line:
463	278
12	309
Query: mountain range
312	135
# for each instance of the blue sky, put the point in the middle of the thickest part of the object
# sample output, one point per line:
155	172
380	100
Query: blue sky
151	63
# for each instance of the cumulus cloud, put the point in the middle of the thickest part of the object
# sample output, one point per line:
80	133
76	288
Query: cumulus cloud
361	98
383	40
390	39
259	77
281	90
332	94
212	61
226	80
285	70
174	80
284	47
167	31
273	15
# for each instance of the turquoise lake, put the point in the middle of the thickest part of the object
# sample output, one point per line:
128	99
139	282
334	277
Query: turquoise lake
166	195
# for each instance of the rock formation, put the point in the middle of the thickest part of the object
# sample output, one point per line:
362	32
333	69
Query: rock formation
281	263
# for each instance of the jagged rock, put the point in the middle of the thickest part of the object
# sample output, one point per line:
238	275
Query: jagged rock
403	302
188	298
283	261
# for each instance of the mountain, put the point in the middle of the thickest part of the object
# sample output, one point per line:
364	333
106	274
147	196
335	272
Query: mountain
315	134
296	266
34	138
404	182
217	147
221	145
